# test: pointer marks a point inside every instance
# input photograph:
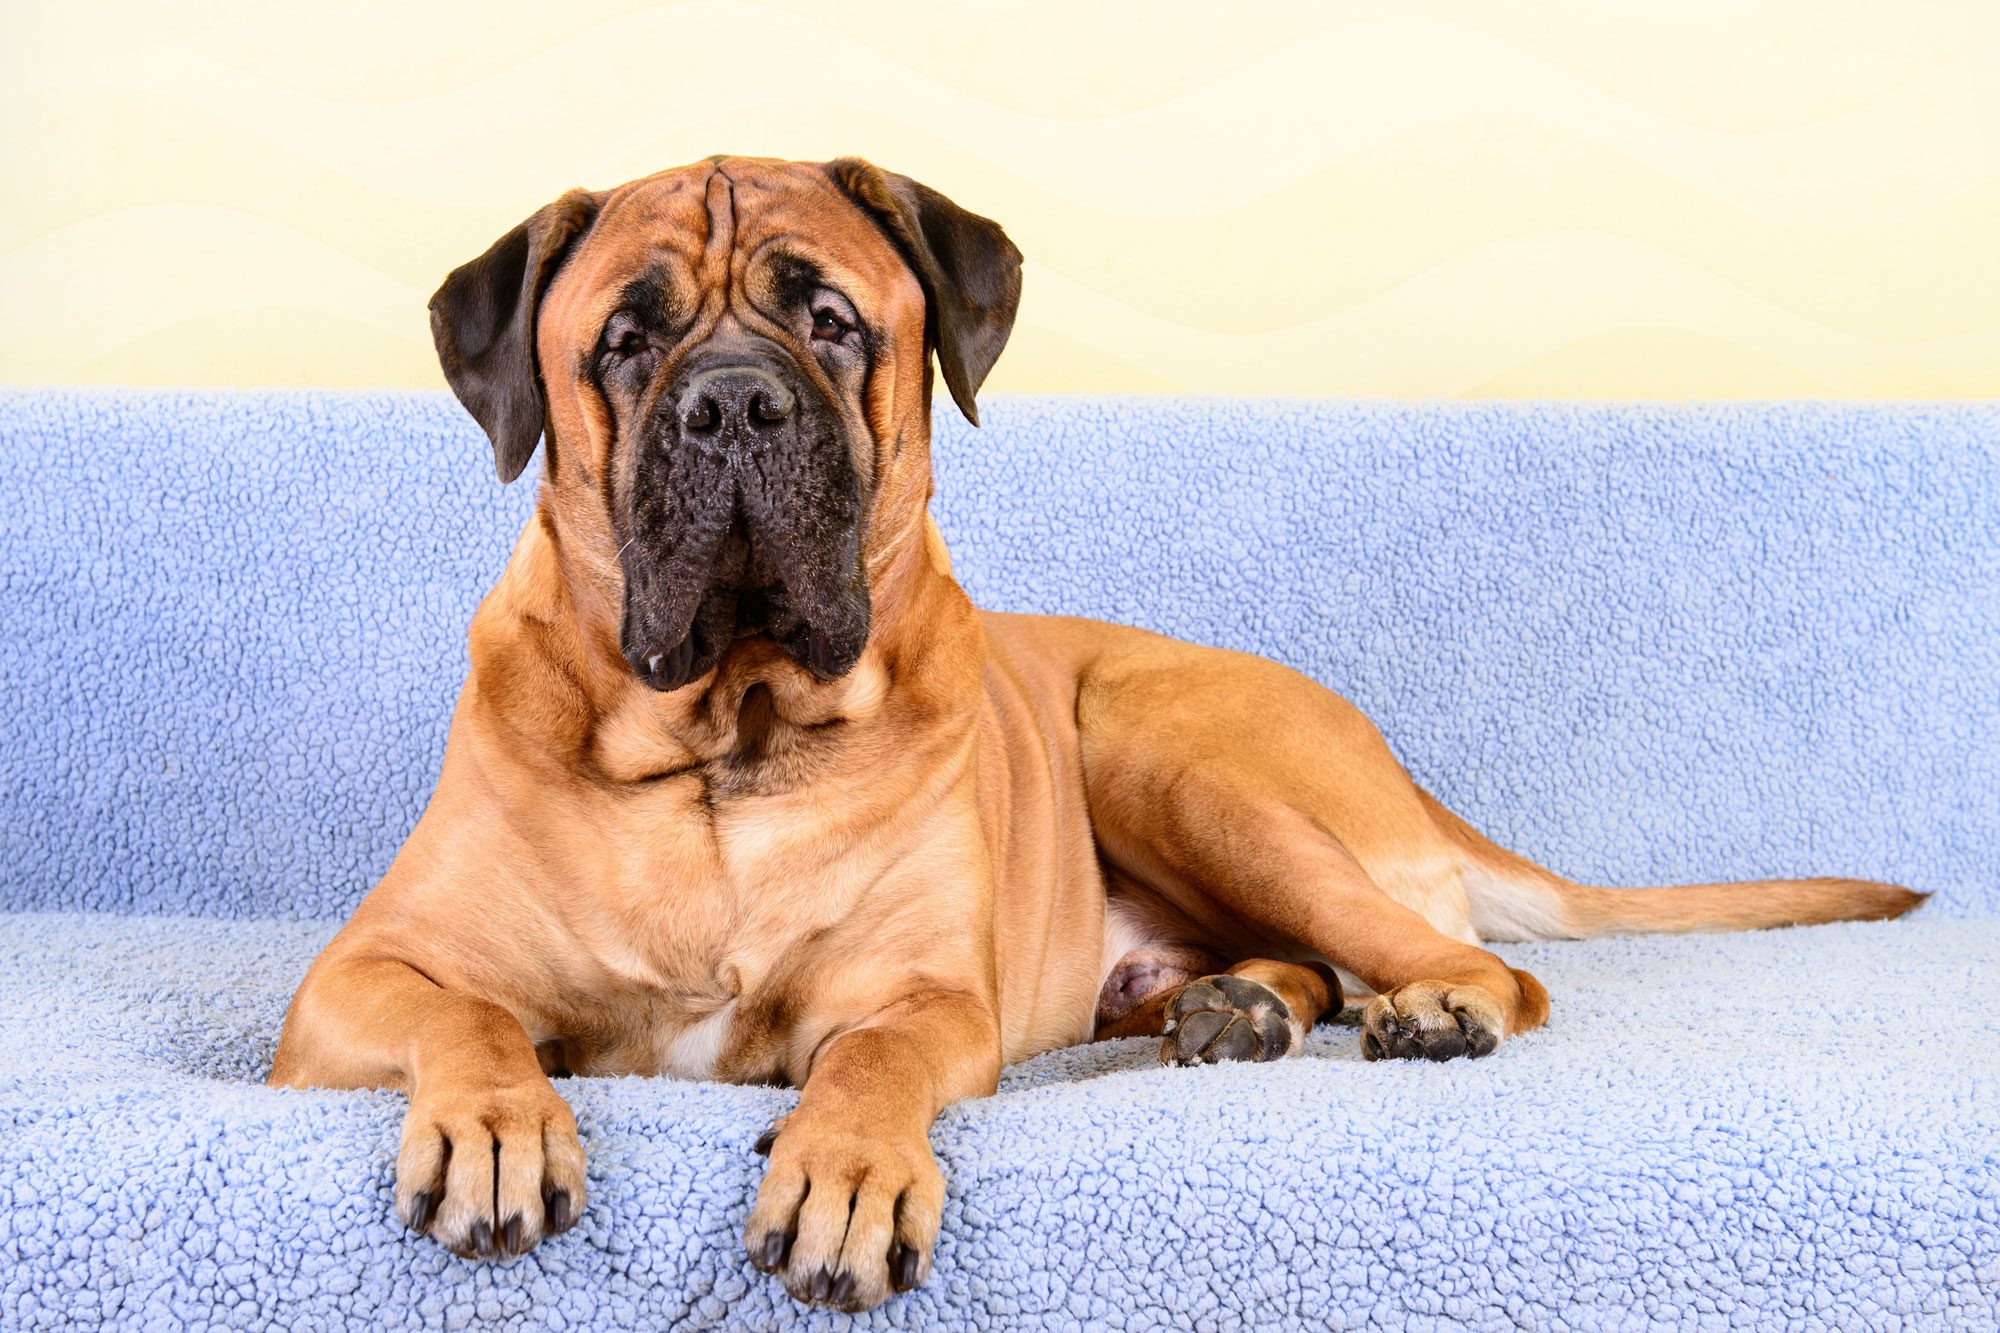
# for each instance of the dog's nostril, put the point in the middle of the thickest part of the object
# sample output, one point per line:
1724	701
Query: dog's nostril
734	406
701	415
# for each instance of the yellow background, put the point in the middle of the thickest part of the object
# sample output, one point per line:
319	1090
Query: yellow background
1606	200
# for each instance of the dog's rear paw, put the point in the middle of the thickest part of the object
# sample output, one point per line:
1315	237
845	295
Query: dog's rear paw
1431	1020
1228	1018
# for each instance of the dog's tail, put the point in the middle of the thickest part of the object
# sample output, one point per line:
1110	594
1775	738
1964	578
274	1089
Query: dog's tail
1512	898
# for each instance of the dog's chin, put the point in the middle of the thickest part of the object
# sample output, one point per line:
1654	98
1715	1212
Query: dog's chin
752	624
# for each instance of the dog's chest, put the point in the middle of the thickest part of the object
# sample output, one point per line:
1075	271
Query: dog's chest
699	1018
719	931
709	1001
693	1047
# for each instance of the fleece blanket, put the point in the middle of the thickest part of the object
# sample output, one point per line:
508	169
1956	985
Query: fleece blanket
1640	643
1710	1134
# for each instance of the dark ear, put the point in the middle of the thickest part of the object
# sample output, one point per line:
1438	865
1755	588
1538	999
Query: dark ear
483	321
970	271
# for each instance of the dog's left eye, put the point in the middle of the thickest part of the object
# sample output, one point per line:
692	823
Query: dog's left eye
833	316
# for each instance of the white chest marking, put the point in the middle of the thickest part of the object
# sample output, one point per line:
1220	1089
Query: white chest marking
692	1051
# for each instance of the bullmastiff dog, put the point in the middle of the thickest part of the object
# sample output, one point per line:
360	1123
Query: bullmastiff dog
742	786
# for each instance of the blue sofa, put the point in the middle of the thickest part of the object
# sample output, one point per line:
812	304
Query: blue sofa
1639	643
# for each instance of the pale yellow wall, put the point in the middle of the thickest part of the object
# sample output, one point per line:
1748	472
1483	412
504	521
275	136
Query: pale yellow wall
1614	200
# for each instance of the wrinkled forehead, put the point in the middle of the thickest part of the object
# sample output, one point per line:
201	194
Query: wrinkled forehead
721	227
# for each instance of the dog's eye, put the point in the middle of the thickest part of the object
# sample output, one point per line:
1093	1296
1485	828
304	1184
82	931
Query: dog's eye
827	325
623	338
833	316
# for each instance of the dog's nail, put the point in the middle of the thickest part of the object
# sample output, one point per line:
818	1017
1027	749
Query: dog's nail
510	1235
843	1287
482	1238
557	1207
421	1209
683	659
822	1286
905	1267
777	1248
762	1147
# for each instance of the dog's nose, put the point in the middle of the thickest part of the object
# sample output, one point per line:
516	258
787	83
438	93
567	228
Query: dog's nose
740	406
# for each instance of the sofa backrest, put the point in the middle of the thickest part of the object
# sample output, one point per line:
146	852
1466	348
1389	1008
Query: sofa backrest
1643	644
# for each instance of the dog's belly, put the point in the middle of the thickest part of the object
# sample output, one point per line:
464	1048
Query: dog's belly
1149	947
1143	954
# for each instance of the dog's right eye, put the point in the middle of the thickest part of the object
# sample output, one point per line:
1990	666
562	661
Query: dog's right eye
627	340
624	338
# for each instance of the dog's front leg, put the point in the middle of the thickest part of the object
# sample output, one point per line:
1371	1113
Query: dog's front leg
849	1208
490	1162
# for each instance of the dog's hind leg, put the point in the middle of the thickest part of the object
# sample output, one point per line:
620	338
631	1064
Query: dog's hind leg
1265	811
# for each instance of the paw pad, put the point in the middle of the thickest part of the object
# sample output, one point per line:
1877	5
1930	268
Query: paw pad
1226	1018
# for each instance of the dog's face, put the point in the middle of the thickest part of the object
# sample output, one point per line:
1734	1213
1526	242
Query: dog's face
732	364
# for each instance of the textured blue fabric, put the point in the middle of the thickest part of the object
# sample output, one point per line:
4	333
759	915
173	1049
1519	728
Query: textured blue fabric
1791	1129
1642	644
1638	643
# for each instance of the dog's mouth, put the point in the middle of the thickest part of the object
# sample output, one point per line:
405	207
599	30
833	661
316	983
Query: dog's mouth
723	547
735	606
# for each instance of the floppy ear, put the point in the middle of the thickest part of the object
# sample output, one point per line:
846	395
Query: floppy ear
970	271
483	321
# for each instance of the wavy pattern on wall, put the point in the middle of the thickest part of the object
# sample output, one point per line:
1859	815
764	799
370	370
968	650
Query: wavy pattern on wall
1597	200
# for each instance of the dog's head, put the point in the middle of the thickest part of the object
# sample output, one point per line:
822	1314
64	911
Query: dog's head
732	364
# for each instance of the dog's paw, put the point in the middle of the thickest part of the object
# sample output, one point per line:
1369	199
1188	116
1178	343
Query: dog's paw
845	1218
1431	1020
489	1172
1228	1018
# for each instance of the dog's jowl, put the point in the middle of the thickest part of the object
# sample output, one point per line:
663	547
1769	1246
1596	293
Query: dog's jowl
742	786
